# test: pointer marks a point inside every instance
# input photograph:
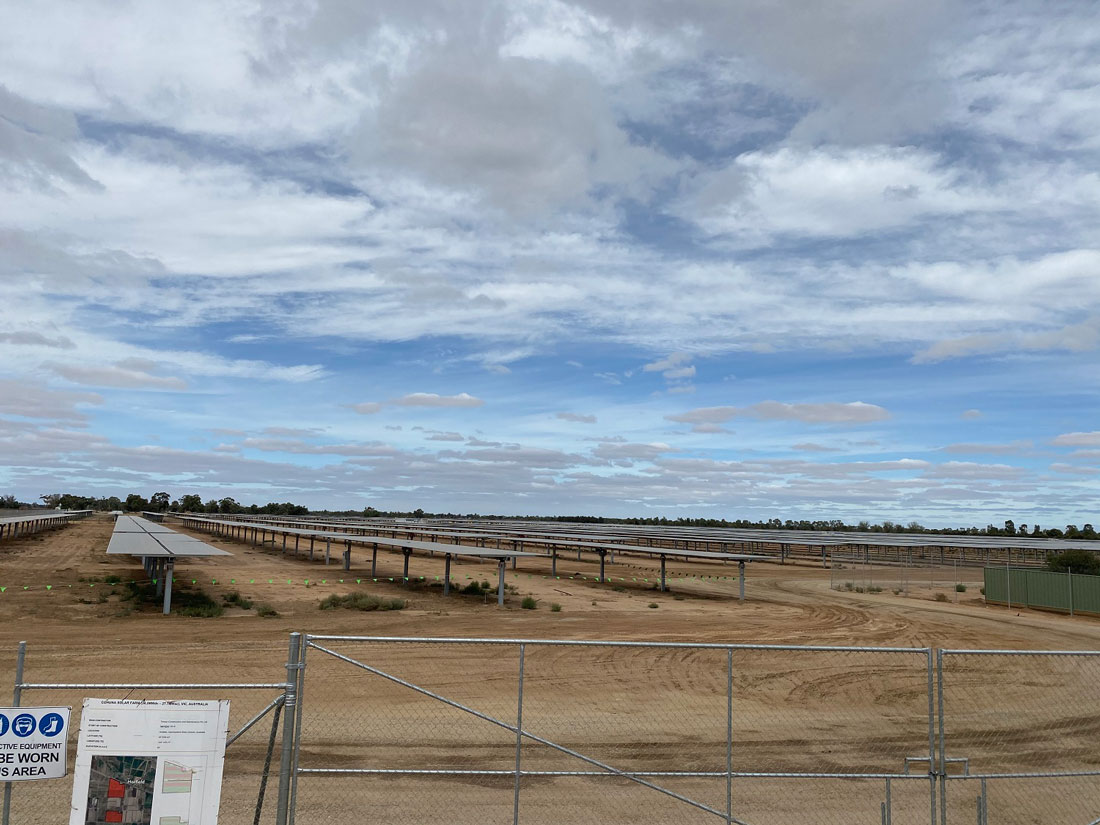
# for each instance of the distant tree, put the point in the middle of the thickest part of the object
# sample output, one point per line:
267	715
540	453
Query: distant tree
1022	530
1036	530
228	505
9	503
1087	532
1075	561
191	503
1010	527
50	499
135	503
114	503
159	502
211	506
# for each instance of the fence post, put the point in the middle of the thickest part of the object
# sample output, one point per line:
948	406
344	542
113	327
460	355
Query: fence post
519	735
931	740
290	705
729	734
943	741
303	645
1069	576
20	658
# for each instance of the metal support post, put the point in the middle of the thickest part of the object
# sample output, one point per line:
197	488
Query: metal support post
290	703
663	588
20	659
603	554
500	583
169	568
328	547
741	580
1069	576
553	562
729	735
347	555
374	560
406	573
447	576
519	736
158	574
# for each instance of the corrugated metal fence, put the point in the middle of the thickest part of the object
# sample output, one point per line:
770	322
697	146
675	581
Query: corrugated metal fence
1063	592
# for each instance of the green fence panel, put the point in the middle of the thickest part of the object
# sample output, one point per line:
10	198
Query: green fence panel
1042	589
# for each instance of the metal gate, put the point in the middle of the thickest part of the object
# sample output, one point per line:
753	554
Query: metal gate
490	730
1019	734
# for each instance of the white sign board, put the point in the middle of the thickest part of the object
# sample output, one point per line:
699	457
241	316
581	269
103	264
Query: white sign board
32	743
149	763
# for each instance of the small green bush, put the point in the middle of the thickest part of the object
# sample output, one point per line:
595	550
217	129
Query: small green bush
653	605
266	611
528	603
874	589
941	597
113	579
982	591
555	607
361	601
473	589
237	600
960	588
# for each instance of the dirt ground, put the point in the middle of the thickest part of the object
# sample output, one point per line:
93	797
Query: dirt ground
638	708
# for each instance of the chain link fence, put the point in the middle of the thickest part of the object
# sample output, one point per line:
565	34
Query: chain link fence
1019	733
457	731
115	671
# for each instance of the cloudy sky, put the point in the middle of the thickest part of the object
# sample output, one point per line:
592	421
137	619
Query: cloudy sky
755	259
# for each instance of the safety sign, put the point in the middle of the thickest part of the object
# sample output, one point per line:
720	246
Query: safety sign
33	743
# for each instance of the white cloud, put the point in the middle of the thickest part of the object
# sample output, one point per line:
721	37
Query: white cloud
115	376
671	362
35	401
971	415
855	412
576	417
431	399
29	338
1012	448
1079	439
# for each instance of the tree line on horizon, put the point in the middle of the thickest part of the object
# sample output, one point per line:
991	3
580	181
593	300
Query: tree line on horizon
192	503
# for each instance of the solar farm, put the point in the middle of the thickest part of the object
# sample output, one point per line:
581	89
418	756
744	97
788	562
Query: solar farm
526	671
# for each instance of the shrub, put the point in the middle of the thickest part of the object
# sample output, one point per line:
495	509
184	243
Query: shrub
653	605
555	607
1075	561
360	601
236	599
266	611
941	597
982	591
473	589
528	603
195	603
113	579
874	589
960	588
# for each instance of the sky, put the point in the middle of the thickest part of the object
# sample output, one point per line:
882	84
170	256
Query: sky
763	259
